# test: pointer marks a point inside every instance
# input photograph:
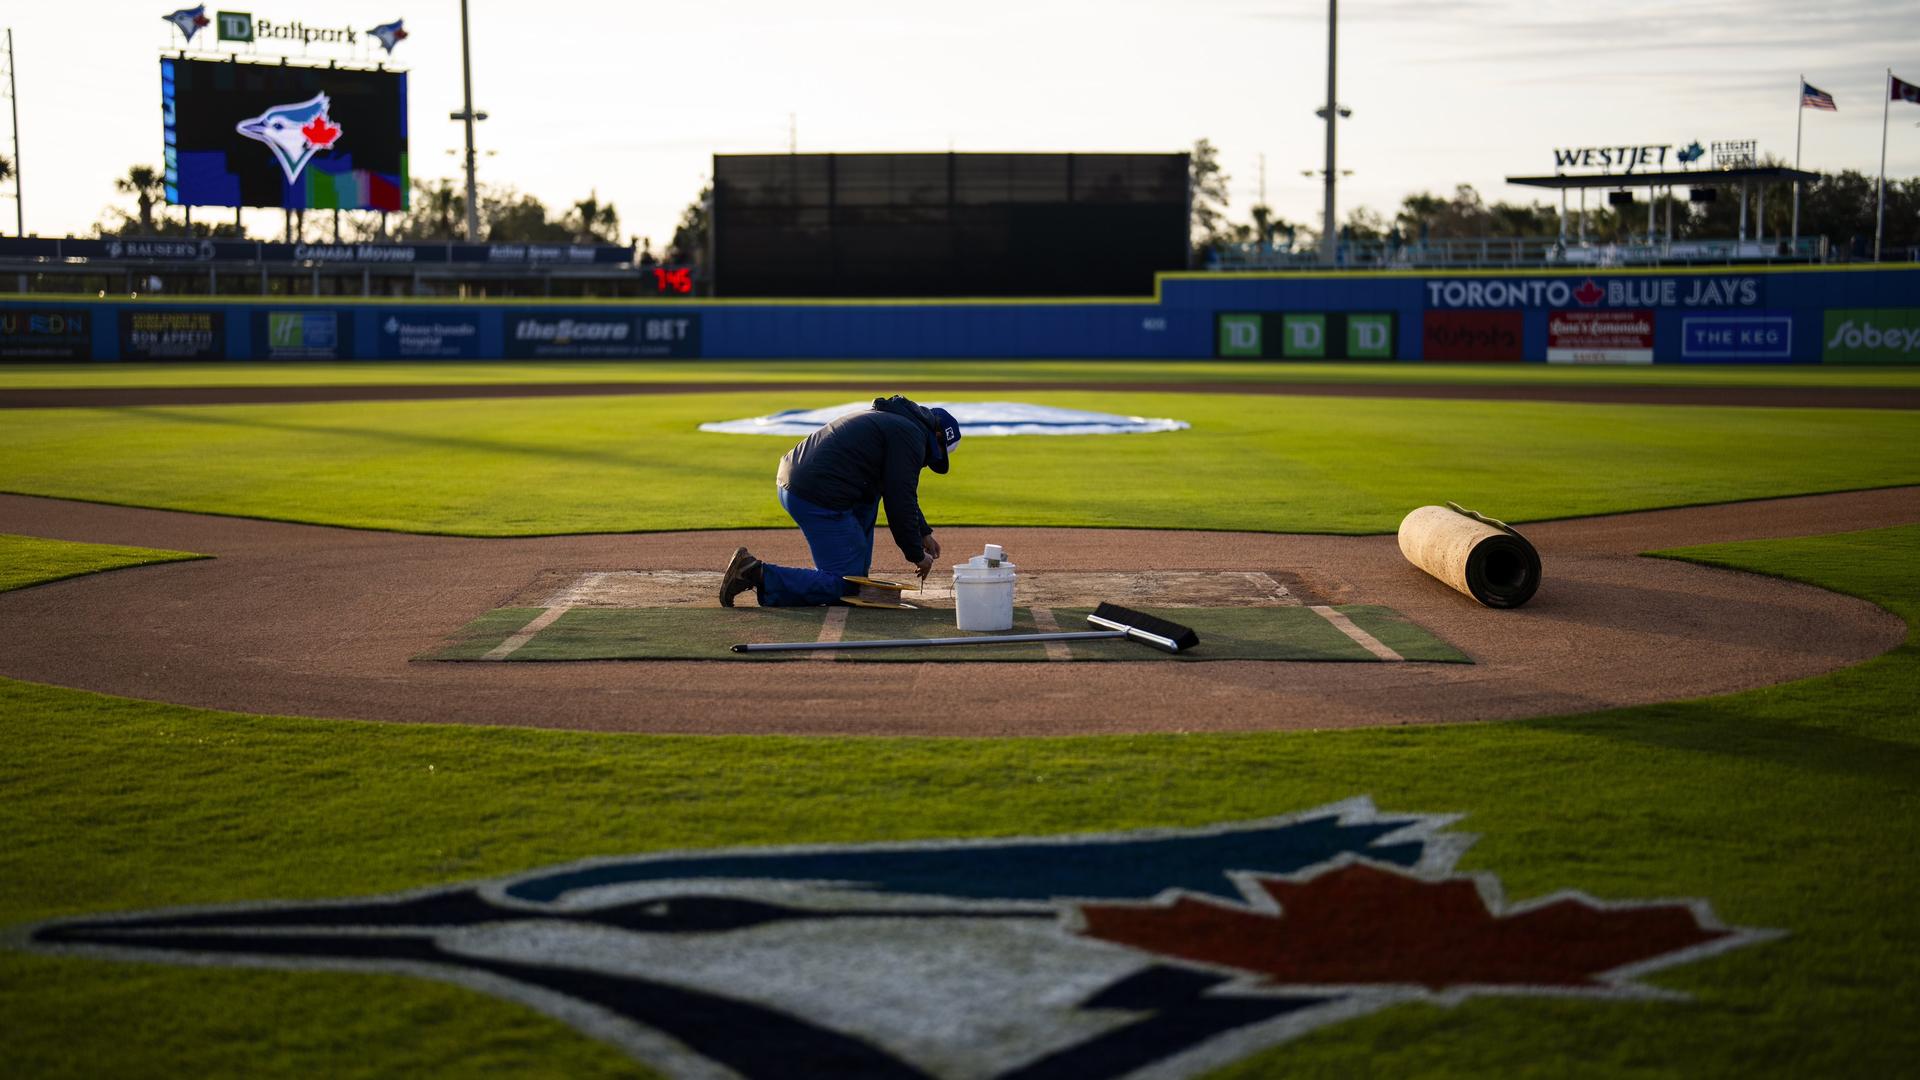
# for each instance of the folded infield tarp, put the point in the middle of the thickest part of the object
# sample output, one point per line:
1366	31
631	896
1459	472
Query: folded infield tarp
976	418
1475	554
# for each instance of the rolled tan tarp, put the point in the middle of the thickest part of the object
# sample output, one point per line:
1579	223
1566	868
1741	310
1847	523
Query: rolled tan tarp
1475	554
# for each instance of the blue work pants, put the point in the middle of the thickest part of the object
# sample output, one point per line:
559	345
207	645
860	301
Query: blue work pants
841	542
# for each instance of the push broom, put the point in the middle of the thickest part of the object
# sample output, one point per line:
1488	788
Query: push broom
1115	622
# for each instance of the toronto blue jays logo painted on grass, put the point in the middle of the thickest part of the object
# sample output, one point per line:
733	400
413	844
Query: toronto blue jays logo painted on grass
1157	953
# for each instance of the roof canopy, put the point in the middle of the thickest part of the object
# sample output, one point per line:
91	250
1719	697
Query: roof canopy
1775	174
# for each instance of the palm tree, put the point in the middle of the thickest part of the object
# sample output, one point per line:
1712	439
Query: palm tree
591	222
145	183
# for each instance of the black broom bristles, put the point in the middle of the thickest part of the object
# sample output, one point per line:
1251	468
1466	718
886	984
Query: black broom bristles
1143	627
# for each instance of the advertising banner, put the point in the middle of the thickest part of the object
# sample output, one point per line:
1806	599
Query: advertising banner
301	335
1872	336
277	135
546	336
1472	335
1693	291
588	335
27	334
1738	338
1600	337
448	335
1297	335
172	335
670	336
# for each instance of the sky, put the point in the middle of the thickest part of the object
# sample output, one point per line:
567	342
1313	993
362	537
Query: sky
631	99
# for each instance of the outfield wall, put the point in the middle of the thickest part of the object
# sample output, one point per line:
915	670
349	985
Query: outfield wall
1716	315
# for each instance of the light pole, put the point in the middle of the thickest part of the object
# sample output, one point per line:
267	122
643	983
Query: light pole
1328	238
468	116
13	98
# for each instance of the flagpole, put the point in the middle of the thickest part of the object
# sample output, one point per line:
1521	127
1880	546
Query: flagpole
1799	122
1880	203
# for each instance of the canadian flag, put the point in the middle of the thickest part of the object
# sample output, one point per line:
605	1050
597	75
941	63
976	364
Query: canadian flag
1904	90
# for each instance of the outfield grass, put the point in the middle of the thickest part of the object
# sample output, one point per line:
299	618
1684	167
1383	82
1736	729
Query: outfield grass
29	560
133	374
1791	808
521	466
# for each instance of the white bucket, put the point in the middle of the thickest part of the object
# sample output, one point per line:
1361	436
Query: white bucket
983	591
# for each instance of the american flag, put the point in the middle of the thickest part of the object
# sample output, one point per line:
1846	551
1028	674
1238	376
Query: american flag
1812	97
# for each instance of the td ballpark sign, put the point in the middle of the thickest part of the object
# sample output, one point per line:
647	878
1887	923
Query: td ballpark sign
1694	292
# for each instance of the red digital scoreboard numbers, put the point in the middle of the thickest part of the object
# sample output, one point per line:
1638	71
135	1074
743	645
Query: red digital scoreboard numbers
673	280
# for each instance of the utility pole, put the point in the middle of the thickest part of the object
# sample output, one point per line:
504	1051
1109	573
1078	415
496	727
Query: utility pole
468	116
13	98
1328	237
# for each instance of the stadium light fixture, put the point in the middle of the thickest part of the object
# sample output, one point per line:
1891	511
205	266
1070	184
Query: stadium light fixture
1331	114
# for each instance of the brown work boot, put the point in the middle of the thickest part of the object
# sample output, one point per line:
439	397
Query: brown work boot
743	573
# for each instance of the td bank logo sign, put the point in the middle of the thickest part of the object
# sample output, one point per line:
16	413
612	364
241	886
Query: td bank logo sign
1874	336
1294	335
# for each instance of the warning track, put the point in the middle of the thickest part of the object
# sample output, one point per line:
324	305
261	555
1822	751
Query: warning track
1766	396
316	621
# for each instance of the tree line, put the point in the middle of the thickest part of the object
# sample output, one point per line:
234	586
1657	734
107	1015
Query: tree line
437	212
1839	206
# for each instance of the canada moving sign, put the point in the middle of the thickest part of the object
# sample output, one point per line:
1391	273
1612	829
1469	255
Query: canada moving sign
1600	337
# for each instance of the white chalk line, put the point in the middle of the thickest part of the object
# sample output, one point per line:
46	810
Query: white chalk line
526	633
1360	637
1044	622
832	629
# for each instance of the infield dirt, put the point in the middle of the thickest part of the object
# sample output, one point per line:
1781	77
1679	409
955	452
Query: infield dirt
316	621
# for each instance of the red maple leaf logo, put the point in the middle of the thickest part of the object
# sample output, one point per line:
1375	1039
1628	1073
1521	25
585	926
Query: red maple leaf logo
1588	293
1363	925
321	132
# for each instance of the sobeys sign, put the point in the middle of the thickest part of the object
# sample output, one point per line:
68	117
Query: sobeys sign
1872	336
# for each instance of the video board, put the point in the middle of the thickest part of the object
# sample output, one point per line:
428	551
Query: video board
947	224
270	135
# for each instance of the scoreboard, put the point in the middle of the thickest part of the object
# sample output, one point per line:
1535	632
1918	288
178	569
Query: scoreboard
273	135
947	224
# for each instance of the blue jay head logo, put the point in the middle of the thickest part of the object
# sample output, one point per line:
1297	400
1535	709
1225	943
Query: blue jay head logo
390	34
294	133
1163	952
189	20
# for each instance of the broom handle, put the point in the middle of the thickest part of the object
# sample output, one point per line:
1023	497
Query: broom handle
901	643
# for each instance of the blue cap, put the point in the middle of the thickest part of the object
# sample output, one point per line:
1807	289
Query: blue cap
949	428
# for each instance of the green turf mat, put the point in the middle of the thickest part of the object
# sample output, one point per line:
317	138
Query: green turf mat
484	634
1272	633
1401	634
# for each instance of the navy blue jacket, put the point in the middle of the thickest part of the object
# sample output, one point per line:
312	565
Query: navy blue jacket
868	457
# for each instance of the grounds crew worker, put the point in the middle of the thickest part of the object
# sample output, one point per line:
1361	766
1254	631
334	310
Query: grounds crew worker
833	483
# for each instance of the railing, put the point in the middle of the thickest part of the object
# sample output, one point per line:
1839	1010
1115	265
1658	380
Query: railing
1517	252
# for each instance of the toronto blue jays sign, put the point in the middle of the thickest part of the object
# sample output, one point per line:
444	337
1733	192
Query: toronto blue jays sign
1158	953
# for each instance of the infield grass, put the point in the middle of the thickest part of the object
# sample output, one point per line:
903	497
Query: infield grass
363	373
1794	808
30	560
528	466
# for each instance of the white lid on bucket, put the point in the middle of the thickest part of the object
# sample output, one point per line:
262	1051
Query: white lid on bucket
988	567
